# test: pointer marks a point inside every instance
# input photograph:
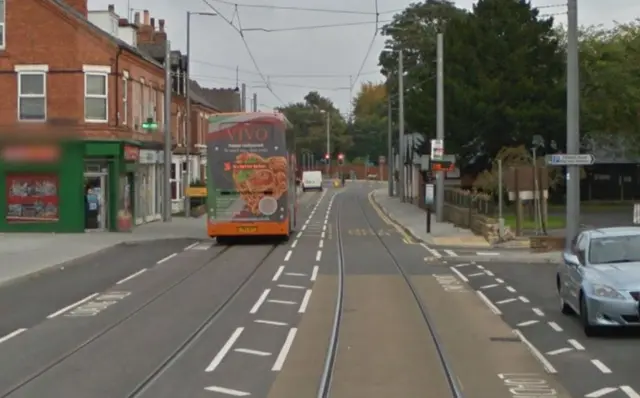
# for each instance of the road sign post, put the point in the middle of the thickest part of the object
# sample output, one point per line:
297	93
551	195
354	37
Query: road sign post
563	159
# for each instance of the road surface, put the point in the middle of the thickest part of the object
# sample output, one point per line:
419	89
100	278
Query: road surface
194	319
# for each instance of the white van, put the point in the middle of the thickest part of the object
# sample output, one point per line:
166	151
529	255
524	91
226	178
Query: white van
311	180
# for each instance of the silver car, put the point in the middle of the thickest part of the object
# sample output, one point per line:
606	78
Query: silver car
599	278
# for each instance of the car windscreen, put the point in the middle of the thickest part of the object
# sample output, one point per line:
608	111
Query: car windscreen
614	249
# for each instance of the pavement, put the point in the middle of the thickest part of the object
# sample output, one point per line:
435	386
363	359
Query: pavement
190	318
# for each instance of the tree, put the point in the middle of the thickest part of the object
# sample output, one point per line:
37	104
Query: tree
368	129
309	122
371	100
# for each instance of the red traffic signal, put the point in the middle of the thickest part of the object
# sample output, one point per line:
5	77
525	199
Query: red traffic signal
340	156
326	156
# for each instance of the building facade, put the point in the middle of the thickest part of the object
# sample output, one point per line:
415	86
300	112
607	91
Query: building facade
75	144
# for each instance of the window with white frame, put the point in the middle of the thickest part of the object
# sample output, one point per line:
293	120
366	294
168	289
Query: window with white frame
161	112
154	105
143	107
3	13
184	130
95	97
125	100
32	96
135	110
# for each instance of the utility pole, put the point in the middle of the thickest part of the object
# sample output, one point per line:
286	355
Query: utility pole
401	146
166	196
440	125
243	104
328	122
389	143
573	123
187	93
255	102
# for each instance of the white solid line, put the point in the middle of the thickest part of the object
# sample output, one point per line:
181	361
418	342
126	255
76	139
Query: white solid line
489	273
252	352
314	273
509	288
555	326
451	253
576	344
433	252
191	246
630	392
505	301
299	235
487	254
282	302
459	274
291	287
67	308
294	244
527	323
260	301
228	391
489	304
601	392
121	281
499	280
295	274
278	273
169	257
489	286
274	323
537	354
321	243
559	351
305	301
523	299
224	350
537	311
288	342
12	335
476	274
287	256
601	367
318	255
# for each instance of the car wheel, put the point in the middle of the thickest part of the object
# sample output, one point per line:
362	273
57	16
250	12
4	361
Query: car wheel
564	307
589	329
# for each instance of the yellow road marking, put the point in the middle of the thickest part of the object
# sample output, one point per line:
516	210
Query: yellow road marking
387	220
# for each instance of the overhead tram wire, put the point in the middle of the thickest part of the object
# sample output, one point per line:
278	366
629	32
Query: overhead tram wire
246	45
282	76
371	43
294	8
314	27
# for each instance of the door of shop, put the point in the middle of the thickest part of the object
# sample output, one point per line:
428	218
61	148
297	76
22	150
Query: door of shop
95	191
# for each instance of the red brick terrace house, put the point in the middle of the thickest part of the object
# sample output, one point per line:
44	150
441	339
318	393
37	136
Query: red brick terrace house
152	40
82	92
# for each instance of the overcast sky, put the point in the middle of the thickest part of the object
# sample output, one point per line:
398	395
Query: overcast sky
297	61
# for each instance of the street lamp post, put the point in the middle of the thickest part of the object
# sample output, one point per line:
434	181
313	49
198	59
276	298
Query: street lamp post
187	91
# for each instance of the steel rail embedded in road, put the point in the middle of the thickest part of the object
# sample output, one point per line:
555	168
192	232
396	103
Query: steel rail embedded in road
200	330
133	313
452	380
325	381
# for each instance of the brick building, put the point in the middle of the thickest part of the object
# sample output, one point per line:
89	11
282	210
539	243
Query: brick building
152	41
72	135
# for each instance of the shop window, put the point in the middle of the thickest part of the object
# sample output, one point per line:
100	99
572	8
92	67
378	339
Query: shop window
32	198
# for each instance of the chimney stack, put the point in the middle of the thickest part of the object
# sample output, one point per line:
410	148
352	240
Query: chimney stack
153	23
111	8
161	35
161	25
136	19
146	17
80	6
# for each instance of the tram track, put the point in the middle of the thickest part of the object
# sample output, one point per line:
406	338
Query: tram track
324	389
221	253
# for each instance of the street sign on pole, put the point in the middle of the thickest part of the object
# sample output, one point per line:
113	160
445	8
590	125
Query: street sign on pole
382	159
437	149
563	159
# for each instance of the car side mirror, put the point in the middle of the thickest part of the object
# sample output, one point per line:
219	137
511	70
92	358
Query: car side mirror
570	259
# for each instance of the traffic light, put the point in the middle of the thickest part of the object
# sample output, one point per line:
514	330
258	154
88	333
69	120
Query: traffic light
326	156
340	158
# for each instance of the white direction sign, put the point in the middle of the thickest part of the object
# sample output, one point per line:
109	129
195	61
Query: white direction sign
437	150
563	159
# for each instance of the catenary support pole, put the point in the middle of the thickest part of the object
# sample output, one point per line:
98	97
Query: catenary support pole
573	122
440	124
166	192
389	144
255	102
187	93
401	146
243	91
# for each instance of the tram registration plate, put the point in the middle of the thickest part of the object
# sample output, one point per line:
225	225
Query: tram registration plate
247	229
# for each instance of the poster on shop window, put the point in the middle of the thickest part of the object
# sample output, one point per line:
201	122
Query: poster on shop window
32	198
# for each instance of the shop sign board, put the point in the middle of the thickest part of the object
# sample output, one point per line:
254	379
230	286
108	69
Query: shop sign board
131	153
148	156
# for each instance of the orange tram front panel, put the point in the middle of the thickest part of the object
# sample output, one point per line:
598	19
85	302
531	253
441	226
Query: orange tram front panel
262	228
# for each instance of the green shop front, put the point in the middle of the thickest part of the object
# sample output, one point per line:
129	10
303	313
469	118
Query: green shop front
68	187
